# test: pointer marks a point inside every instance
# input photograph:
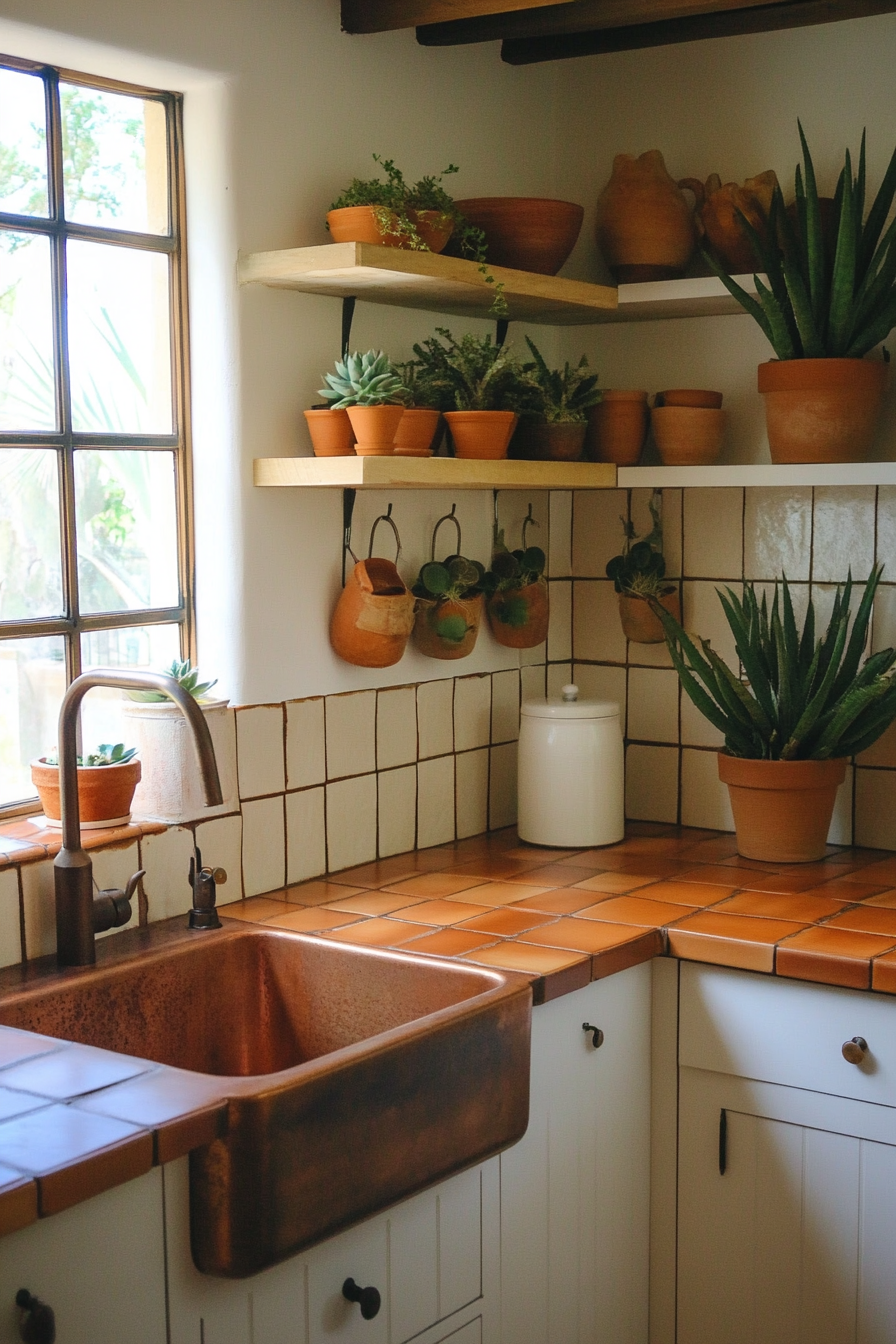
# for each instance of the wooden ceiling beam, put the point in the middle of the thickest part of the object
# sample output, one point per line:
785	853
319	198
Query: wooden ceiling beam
578	17
727	23
380	16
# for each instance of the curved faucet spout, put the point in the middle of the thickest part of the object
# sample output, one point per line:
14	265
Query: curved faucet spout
75	912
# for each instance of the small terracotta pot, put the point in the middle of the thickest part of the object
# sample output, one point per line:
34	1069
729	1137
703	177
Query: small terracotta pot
535	442
375	428
822	410
481	434
782	809
105	792
640	622
374	615
447	628
688	436
617	428
527	233
415	434
519	617
689	396
331	433
645	227
358	224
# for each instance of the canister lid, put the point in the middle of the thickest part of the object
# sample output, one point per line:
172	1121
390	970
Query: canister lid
567	705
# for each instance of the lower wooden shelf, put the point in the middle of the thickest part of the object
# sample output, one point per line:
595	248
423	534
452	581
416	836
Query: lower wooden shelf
435	473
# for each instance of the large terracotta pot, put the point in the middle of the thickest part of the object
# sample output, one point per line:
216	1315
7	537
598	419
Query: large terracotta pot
645	227
416	431
375	428
481	434
717	216
374	615
536	442
640	622
688	436
359	224
519	617
331	433
782	809
447	628
822	410
617	428
105	792
527	233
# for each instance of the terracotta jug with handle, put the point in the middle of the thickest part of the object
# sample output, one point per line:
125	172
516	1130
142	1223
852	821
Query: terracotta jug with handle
718	216
645	226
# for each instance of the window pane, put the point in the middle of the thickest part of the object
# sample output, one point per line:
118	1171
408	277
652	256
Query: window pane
115	159
27	394
146	648
30	560
127	529
23	144
32	683
119	334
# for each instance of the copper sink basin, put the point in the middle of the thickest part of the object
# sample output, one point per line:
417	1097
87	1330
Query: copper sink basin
355	1076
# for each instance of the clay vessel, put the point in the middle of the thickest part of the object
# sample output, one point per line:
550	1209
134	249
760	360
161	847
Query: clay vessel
481	434
527	233
689	396
436	617
617	428
822	410
717	219
519	617
331	433
640	622
105	792
645	227
782	809
359	224
375	428
416	431
548	443
374	615
688	436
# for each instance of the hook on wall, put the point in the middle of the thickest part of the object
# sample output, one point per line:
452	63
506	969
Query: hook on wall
348	506
447	518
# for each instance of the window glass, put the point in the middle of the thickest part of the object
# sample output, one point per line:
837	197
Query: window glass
32	683
27	384
145	648
23	144
115	159
30	555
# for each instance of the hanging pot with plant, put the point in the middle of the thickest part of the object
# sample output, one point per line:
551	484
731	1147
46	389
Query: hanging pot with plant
553	427
374	615
371	392
450	600
517	594
823	314
107	779
482	382
639	577
802	707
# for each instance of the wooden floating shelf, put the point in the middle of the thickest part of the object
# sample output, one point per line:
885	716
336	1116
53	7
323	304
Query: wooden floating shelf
433	473
760	474
703	296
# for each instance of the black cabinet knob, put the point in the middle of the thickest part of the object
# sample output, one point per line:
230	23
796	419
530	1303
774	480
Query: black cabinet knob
37	1324
368	1299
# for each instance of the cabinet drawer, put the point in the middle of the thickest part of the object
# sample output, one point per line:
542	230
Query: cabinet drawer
784	1031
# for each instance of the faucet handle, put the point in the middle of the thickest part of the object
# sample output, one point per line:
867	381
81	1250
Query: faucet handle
219	876
112	907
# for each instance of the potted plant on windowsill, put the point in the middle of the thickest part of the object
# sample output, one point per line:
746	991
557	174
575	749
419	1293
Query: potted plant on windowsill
800	708
369	389
823	313
554	429
639	577
482	384
107	779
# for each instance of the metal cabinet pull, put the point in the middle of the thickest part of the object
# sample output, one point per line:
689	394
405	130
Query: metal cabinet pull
854	1050
368	1299
597	1036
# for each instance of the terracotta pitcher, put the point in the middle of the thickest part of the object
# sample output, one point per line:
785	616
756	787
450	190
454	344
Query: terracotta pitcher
645	226
374	615
717	216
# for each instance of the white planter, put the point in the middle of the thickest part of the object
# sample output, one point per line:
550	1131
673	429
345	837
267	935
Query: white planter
171	787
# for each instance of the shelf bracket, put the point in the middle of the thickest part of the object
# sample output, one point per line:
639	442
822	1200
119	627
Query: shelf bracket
348	509
501	326
348	312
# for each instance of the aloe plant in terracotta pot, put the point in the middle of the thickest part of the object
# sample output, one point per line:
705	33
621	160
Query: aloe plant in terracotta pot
107	779
799	709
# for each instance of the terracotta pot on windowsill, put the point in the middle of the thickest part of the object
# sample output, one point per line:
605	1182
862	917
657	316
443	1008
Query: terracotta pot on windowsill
782	809
105	792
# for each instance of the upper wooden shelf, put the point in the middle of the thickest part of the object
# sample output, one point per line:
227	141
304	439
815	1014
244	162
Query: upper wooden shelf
433	473
407	279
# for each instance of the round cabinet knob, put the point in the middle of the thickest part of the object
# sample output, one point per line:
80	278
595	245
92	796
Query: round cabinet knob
368	1299
597	1036
854	1050
220	876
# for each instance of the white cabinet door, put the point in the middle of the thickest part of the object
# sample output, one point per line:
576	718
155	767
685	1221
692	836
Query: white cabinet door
575	1190
787	1221
100	1266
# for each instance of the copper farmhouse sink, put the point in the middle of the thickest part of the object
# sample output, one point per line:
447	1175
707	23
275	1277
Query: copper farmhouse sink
355	1076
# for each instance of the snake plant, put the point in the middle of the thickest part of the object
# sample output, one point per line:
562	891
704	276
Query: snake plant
816	304
798	698
363	380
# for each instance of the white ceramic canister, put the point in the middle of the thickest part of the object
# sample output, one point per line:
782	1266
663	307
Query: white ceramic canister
571	772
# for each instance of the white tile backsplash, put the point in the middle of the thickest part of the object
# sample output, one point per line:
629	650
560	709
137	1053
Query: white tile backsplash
652	705
435	801
306	835
306	754
704	798
651	783
713	533
396	727
260	750
560	620
471	789
472	712
843	532
435	718
166	859
351	822
397	810
502	786
221	842
264	845
351	734
505	706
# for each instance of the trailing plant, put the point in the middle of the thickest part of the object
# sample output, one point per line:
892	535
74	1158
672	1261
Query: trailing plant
105	754
363	380
510	572
185	675
445	583
819	304
797	698
564	395
472	374
640	569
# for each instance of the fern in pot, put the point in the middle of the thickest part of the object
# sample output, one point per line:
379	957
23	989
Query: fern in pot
482	384
791	715
552	427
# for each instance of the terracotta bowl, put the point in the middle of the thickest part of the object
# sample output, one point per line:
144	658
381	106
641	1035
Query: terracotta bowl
527	233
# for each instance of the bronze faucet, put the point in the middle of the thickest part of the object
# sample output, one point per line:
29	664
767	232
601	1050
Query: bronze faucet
80	915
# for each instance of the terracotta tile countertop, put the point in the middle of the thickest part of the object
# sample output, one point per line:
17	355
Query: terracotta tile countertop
75	1120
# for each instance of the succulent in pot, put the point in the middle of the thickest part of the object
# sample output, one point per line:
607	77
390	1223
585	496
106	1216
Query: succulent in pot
793	713
369	389
517	596
450	599
823	312
553	426
107	779
639	577
481	382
